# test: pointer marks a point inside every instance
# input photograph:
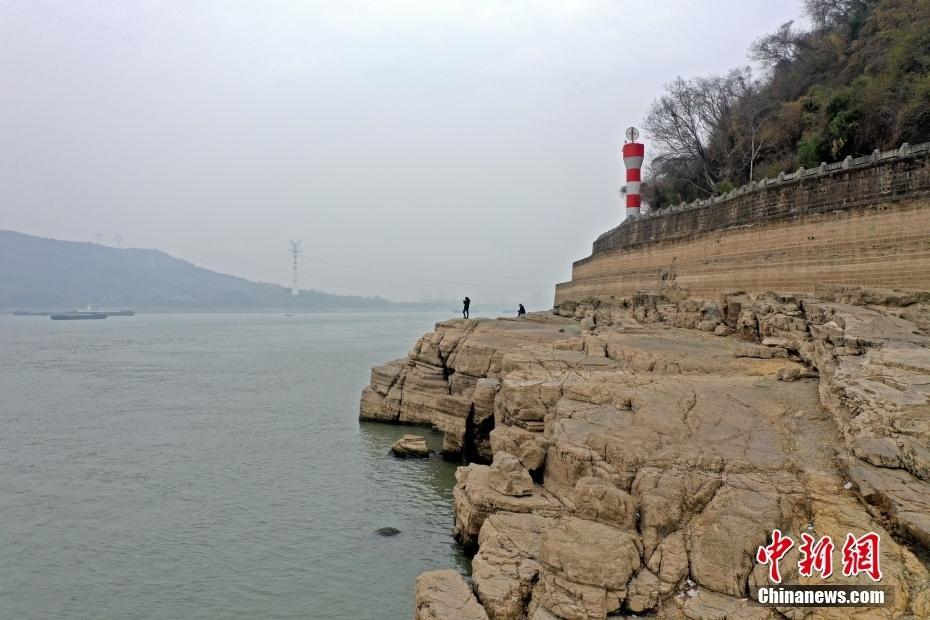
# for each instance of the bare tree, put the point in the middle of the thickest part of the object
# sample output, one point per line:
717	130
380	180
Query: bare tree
777	47
676	125
685	123
752	115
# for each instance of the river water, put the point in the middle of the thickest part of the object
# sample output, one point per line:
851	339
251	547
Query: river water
210	466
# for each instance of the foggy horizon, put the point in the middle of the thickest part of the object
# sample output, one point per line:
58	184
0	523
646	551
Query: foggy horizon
418	152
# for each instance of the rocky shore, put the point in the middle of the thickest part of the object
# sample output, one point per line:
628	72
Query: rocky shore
631	457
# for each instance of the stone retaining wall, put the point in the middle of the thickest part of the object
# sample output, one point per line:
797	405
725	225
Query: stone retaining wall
862	222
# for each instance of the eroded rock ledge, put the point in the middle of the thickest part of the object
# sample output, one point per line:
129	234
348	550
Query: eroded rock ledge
631	457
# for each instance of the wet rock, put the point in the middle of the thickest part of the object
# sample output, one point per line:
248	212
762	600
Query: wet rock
411	446
387	531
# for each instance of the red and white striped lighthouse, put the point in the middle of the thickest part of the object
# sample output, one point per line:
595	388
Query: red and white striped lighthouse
633	152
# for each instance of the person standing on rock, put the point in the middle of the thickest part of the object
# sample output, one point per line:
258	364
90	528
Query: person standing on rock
465	303
521	311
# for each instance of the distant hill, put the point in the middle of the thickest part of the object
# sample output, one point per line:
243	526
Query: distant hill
46	274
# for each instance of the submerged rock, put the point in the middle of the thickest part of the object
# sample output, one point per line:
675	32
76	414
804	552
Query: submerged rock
387	531
410	446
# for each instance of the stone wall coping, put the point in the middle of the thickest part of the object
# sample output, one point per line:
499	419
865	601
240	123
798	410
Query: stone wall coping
905	151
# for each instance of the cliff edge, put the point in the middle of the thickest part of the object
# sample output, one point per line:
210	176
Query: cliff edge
632	457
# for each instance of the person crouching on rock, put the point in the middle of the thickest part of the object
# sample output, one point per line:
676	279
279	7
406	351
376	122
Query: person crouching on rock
465	303
521	311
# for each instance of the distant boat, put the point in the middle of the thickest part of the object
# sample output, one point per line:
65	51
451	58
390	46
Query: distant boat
90	312
90	309
79	316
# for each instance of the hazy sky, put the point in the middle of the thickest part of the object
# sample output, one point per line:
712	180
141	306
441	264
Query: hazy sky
416	148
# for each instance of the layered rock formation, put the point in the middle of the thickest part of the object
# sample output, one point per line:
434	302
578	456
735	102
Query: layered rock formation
410	446
631	457
450	378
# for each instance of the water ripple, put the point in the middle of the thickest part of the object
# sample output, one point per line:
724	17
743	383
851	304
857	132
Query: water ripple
206	466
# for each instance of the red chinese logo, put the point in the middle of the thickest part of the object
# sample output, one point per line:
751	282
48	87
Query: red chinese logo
773	553
860	555
815	556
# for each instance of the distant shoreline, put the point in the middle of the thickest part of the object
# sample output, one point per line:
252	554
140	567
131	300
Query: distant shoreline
294	311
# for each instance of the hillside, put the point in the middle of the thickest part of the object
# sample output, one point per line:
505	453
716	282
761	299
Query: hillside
855	80
46	274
